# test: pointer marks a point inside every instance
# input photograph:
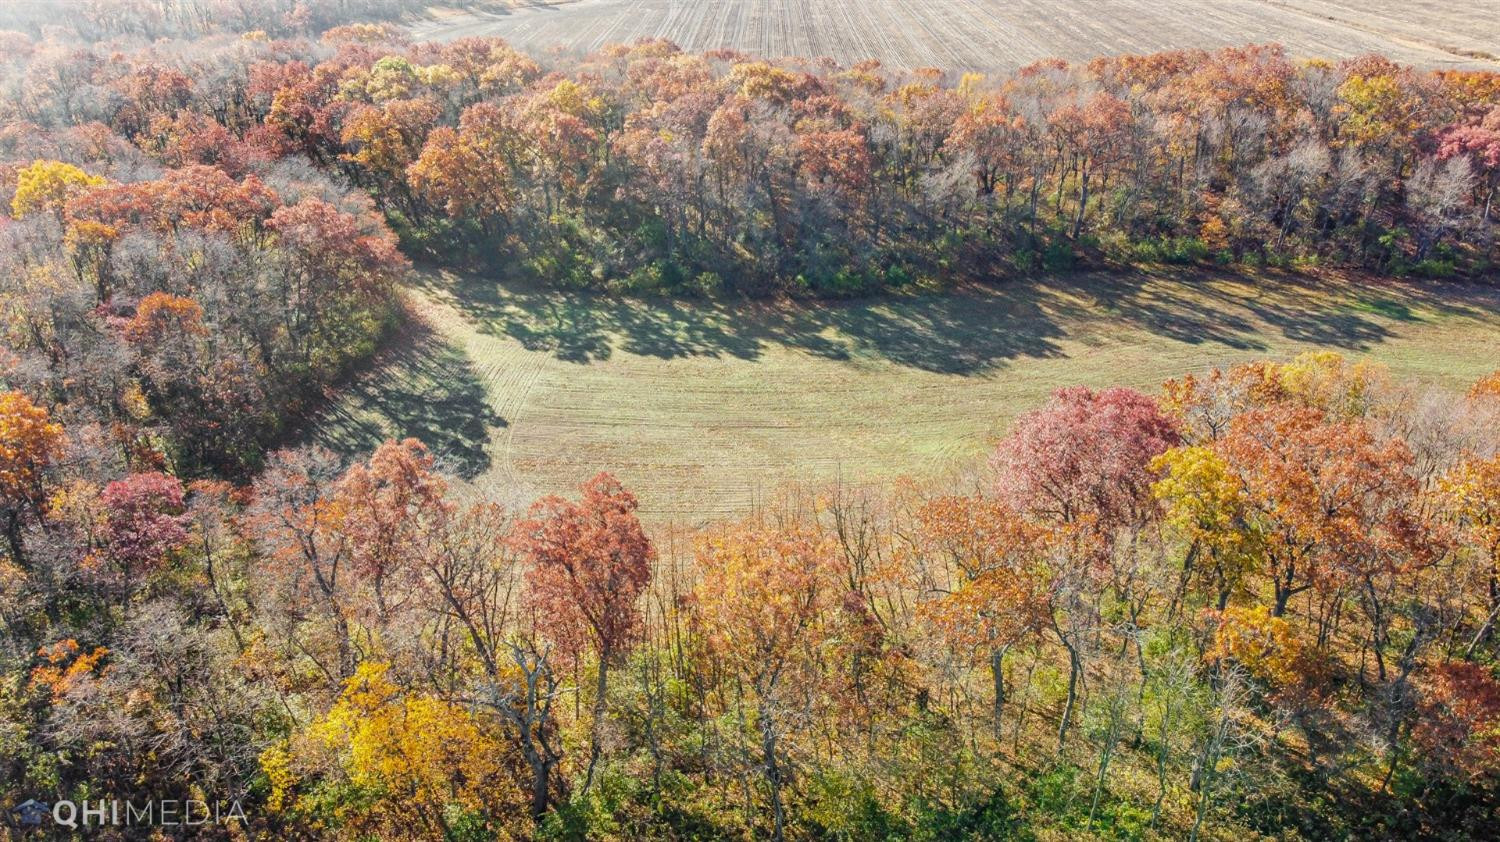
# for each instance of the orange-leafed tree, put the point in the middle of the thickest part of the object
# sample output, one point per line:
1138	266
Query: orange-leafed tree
30	441
1325	494
762	599
982	564
468	171
1487	387
588	563
393	511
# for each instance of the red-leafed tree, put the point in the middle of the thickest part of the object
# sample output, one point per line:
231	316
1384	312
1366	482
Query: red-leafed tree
144	522
1085	454
1457	728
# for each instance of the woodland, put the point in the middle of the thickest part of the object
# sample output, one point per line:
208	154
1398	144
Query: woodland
1257	601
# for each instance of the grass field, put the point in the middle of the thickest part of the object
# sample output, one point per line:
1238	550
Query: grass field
997	35
703	408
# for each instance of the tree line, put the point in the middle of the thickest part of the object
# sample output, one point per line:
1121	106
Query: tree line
645	168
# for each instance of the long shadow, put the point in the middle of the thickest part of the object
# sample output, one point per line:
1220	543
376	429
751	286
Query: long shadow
961	333
973	330
422	388
1183	309
967	332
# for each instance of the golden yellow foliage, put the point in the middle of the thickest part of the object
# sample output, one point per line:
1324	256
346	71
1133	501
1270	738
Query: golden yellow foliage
1264	645
1325	380
1470	497
46	186
420	753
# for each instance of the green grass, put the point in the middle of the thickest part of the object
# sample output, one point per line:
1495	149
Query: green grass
704	407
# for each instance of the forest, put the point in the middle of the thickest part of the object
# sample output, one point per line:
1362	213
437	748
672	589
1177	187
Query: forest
1257	601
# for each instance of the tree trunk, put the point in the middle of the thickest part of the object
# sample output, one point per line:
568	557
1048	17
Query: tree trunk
13	538
997	676
600	690
1074	668
773	770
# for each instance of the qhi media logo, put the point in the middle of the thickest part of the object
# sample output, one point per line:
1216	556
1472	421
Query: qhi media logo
32	814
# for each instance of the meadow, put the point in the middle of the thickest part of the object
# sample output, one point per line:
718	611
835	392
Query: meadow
986	35
706	407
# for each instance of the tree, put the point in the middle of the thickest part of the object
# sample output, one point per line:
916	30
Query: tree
468	171
1481	145
1205	503
588	564
393	513
144	522
1458	726
1085	454
1092	135
1439	200
427	762
1258	641
46	186
760	598
987	583
1325	494
1487	387
384	140
29	443
304	584
1469	495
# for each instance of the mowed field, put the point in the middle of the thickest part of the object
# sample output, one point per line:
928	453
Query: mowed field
997	35
706	408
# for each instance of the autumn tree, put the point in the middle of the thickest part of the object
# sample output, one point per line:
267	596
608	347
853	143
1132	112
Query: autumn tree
760	599
987	584
29	443
1458	729
1085	455
435	764
144	523
1205	503
1469	496
1322	491
588	564
393	512
46	186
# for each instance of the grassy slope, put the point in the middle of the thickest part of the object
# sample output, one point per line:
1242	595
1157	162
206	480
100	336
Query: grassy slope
701	408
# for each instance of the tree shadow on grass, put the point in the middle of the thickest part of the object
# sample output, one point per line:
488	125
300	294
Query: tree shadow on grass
978	328
961	333
422	388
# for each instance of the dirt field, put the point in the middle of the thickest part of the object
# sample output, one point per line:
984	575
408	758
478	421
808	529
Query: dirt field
1001	35
704	408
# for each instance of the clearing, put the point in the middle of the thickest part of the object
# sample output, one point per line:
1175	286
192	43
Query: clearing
703	408
995	36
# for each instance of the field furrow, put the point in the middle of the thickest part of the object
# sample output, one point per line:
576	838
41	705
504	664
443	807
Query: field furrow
992	36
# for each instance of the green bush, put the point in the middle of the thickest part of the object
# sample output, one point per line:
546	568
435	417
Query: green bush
1434	267
1059	256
